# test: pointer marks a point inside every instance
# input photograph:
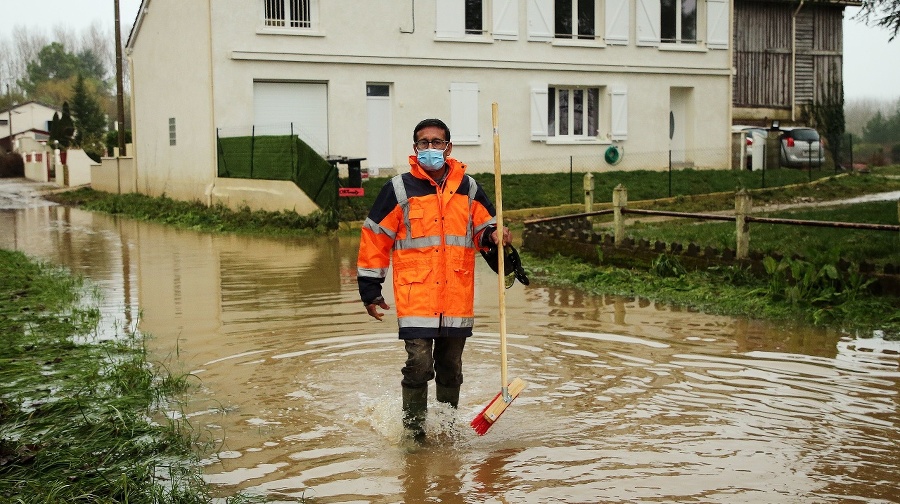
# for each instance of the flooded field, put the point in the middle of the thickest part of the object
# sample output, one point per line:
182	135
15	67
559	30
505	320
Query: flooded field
298	391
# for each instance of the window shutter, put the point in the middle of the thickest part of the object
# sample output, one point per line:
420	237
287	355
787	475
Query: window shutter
539	114
648	13
540	20
464	111
717	24
619	113
617	23
506	19
450	20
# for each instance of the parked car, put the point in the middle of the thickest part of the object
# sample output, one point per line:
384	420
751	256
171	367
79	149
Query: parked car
801	147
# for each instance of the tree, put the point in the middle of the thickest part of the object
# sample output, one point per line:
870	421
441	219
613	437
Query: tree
66	128
90	123
55	63
883	13
826	114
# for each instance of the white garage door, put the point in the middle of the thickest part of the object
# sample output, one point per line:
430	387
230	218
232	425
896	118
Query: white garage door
277	106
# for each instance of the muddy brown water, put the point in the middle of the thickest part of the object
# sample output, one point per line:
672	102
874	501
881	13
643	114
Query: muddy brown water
627	401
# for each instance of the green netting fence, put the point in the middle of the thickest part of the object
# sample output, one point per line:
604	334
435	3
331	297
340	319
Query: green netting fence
279	157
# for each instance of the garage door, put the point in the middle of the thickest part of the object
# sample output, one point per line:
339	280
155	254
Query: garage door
277	106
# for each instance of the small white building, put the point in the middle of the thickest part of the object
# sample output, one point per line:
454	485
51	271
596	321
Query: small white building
27	120
572	79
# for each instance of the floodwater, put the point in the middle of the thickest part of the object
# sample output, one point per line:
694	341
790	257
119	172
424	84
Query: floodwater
627	401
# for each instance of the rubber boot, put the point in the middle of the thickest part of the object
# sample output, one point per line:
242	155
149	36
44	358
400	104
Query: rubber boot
415	410
448	395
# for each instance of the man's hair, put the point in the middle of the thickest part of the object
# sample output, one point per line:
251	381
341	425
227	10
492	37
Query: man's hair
431	122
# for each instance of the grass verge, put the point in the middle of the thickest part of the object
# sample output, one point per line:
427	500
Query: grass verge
77	414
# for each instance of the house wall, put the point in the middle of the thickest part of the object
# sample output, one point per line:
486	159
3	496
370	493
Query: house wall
170	80
353	47
396	43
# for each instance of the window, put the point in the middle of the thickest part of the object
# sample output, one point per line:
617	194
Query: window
290	13
574	19
474	17
171	131
459	19
678	21
573	112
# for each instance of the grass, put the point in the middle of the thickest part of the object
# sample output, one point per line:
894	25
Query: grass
829	302
76	413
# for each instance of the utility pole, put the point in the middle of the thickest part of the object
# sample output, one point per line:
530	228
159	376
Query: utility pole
120	93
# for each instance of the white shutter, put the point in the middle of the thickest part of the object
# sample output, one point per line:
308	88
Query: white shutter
619	114
464	111
506	19
450	19
717	23
540	20
539	114
647	13
617	22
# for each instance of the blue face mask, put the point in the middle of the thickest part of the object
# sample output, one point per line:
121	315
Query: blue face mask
431	159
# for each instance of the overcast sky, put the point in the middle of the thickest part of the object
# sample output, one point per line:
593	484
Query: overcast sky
871	64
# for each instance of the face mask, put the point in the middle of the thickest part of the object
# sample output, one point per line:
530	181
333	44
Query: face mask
431	159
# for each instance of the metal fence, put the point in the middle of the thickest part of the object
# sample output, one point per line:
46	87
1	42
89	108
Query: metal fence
276	153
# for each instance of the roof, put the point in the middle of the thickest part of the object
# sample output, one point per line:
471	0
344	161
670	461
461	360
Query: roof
35	102
136	26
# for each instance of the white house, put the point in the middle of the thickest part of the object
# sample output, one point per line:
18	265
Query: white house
27	120
572	78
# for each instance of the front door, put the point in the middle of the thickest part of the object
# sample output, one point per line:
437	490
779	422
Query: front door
379	151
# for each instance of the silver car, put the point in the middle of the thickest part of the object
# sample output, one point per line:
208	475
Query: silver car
801	148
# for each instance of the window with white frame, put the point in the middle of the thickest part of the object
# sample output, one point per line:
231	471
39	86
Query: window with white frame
172	131
574	19
297	14
457	19
678	21
573	112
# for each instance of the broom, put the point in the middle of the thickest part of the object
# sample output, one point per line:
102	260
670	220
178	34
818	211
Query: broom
508	392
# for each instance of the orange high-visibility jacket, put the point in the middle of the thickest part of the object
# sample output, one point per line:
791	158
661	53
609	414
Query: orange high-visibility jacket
430	233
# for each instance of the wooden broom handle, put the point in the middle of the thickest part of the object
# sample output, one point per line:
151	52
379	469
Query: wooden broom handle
501	268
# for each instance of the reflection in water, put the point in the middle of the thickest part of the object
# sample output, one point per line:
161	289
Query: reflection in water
627	401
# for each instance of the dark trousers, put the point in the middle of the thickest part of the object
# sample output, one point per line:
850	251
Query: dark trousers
438	358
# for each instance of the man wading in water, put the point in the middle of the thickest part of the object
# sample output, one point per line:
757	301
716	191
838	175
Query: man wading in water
430	222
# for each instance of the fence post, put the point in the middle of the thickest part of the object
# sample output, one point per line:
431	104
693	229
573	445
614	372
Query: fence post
620	201
588	192
742	205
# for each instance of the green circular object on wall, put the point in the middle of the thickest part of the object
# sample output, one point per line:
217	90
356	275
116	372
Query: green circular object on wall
613	155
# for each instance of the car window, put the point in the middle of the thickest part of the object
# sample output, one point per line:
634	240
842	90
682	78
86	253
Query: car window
807	135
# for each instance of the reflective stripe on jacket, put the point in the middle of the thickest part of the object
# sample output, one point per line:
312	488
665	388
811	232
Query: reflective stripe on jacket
430	233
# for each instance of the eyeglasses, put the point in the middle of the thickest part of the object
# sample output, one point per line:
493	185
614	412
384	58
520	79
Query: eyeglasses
436	143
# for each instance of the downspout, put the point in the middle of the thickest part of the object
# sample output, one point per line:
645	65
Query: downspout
794	61
412	4
212	108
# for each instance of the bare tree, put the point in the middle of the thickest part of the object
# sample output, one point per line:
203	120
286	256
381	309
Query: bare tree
883	13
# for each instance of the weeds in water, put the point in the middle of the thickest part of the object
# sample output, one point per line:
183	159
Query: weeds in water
76	419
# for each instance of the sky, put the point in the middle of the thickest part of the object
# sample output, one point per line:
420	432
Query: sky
871	63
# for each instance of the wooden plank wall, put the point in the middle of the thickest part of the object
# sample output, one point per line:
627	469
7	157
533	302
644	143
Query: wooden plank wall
762	52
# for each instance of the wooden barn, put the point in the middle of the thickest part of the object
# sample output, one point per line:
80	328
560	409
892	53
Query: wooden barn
785	53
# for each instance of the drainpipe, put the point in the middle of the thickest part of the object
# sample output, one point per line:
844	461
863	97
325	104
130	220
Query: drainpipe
412	5
212	108
794	61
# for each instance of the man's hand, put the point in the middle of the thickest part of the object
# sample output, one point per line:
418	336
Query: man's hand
372	308
507	237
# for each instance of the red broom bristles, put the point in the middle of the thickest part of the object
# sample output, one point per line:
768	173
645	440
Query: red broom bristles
482	424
